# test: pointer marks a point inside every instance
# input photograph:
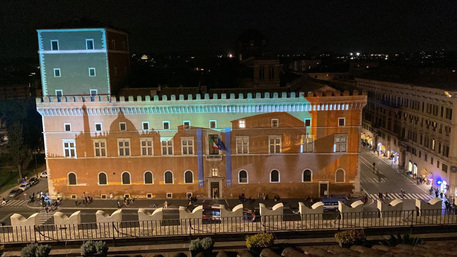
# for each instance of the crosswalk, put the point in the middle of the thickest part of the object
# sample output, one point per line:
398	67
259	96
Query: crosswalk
373	180
392	196
43	216
15	203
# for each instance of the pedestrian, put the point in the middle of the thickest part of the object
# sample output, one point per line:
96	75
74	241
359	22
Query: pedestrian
380	195
119	204
165	205
374	167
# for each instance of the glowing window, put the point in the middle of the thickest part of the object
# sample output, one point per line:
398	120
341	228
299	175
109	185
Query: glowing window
242	124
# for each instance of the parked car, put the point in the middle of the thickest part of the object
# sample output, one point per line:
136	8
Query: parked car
24	186
33	181
211	212
15	192
44	174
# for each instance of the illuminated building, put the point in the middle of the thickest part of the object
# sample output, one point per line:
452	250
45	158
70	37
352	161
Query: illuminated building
414	125
209	145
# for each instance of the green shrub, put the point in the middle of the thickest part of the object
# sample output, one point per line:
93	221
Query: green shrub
195	245
351	236
35	250
201	244
406	239
263	240
207	243
94	248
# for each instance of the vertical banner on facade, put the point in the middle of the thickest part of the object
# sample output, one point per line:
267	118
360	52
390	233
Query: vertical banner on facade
228	157
200	157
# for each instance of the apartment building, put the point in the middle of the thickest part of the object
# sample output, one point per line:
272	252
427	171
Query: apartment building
416	127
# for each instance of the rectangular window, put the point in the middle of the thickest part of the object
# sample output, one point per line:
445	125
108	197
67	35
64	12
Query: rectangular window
438	164
307	144
92	72
145	125
69	148
242	124
187	146
166	124
57	73
425	157
89	44
274	123
444	168
340	143
100	148
242	145
274	144
186	124
431	160
212	124
167	147
261	73
59	94
98	127
146	146
67	126
307	122
54	45
123	147
122	126
341	122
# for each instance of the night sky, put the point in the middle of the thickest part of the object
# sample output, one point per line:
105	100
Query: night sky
212	27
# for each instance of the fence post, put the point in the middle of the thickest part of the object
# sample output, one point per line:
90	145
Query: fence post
114	237
190	227
34	231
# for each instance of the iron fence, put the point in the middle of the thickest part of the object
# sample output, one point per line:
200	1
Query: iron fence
234	225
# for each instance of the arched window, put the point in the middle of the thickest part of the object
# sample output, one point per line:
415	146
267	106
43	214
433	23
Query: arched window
148	178
168	176
340	175
125	178
307	176
243	177
188	177
72	179
274	176
102	178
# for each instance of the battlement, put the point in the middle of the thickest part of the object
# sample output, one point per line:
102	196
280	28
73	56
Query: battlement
200	97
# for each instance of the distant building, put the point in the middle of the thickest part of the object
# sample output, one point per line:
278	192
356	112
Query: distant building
15	91
214	145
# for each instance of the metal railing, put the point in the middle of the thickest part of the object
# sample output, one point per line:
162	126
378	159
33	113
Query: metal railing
229	225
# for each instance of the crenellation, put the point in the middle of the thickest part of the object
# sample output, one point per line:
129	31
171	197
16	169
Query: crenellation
284	95
346	93
249	96
215	96
139	98
189	96
232	96
156	98
164	98
181	97
147	98
130	98
223	96
267	95
240	96
173	98
206	97
258	95
121	99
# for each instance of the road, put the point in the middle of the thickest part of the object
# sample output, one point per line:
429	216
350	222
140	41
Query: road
387	179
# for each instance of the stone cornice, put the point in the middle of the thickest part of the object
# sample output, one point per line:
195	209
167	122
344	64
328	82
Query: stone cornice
109	105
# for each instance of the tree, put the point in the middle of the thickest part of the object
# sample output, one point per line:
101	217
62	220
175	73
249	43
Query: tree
20	153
